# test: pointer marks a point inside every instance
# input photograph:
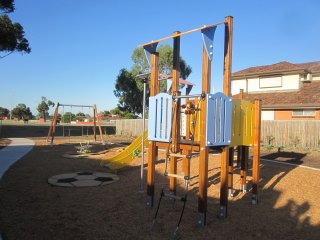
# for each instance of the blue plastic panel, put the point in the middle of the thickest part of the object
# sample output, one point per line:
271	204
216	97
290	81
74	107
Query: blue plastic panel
207	38
219	118
160	117
148	50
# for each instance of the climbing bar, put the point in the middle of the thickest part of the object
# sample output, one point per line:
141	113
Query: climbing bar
175	175
180	34
187	96
179	155
183	199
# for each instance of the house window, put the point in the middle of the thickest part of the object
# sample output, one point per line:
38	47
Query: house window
303	113
270	82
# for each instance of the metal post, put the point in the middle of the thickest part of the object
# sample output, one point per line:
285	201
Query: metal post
230	171
94	124
243	156
143	127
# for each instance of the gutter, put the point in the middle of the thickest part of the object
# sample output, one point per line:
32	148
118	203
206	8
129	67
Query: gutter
291	106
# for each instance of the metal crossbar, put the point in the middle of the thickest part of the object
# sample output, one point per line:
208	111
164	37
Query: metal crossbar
188	96
72	105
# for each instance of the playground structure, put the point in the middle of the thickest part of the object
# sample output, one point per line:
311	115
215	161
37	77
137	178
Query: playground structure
55	120
214	121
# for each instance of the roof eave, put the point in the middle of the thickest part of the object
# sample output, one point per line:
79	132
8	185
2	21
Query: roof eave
270	73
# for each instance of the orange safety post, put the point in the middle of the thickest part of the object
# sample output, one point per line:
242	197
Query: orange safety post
176	111
204	150
227	91
256	152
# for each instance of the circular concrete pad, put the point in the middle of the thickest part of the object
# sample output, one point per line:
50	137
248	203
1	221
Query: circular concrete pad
83	179
83	155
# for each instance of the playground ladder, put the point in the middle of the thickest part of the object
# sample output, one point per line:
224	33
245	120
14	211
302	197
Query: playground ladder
170	154
177	176
174	197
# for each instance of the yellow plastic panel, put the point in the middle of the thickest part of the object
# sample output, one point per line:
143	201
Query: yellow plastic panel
195	125
195	122
242	123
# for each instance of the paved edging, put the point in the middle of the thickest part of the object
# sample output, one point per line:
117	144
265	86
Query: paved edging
290	164
13	152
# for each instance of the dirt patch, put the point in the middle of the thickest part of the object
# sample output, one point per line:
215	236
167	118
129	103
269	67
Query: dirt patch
4	142
289	205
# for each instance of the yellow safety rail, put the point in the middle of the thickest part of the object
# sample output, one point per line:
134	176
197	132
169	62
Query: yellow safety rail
242	123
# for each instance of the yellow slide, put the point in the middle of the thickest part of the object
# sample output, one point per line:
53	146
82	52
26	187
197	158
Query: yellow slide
125	157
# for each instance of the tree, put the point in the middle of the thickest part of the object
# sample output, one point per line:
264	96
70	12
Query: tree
11	34
116	111
67	117
130	96
44	106
106	113
129	115
129	89
123	113
80	116
21	111
4	112
140	63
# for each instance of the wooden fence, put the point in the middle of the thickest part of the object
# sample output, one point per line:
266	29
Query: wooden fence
295	133
130	127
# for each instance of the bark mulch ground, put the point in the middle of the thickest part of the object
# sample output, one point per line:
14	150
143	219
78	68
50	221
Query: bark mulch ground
30	208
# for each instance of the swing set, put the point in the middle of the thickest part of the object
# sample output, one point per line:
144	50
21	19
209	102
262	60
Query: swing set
67	127
214	121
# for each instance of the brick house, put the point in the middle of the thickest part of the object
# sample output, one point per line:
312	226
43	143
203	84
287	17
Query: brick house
288	91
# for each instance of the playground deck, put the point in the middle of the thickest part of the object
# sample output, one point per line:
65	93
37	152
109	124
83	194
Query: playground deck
33	209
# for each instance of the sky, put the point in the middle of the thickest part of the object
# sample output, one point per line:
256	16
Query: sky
79	47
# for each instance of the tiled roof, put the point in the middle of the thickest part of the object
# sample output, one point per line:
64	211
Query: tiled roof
280	67
307	96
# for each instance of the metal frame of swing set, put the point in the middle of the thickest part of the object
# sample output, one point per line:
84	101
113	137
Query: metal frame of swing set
52	129
70	118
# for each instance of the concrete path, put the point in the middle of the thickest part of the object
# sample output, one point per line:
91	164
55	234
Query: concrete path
13	152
